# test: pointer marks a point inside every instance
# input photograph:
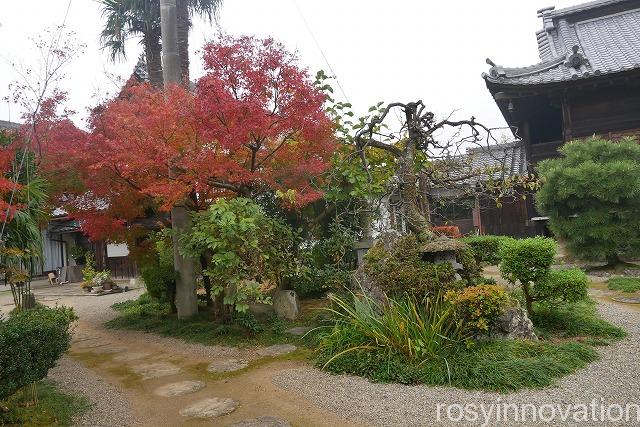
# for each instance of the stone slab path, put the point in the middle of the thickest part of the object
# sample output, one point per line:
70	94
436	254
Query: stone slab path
167	382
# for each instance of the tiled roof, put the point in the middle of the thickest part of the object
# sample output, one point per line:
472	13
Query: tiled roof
8	125
479	164
573	45
503	160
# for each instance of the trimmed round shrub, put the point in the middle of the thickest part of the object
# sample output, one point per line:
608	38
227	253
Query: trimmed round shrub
31	342
526	260
486	249
568	285
479	305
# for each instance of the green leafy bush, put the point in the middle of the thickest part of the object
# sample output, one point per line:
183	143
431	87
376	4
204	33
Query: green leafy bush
528	262
246	251
327	264
157	269
479	305
624	284
568	285
89	270
486	248
31	341
403	270
592	196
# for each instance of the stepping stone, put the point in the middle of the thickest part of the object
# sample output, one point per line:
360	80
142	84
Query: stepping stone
210	408
108	350
227	365
627	300
277	350
130	356
263	422
179	388
94	344
299	330
155	370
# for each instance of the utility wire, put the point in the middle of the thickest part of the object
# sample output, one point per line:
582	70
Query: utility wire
306	24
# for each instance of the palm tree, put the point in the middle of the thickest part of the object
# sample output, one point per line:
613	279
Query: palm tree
134	18
131	18
185	10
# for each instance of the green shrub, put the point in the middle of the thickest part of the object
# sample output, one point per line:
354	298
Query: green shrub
486	249
89	269
316	281
479	305
624	284
592	198
245	251
568	285
327	264
404	271
528	262
31	341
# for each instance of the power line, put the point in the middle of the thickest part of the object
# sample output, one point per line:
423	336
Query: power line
306	24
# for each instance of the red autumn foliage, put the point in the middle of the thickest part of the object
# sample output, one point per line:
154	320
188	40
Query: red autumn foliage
451	231
7	185
254	123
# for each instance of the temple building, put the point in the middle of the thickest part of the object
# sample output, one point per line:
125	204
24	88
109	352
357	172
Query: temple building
586	83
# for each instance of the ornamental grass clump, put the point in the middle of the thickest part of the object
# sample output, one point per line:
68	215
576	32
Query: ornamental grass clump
415	329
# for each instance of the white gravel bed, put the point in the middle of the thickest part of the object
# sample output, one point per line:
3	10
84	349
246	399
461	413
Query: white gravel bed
613	380
109	406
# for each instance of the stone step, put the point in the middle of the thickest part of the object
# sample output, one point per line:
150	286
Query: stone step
210	408
179	388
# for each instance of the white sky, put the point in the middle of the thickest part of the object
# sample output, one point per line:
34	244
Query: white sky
400	50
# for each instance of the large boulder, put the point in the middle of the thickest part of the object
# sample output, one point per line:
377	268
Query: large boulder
513	324
286	304
363	282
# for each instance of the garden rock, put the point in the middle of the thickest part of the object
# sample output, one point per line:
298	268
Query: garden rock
156	370
261	311
513	324
210	408
179	388
286	304
130	356
263	422
277	350
227	365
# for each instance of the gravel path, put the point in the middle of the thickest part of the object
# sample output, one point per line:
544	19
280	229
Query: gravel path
110	407
615	379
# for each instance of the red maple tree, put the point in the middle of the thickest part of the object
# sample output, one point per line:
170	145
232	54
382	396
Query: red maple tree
254	123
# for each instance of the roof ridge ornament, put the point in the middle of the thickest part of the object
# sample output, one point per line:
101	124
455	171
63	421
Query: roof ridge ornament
577	63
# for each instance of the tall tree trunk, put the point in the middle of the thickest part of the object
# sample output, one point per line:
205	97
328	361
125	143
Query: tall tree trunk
186	300
184	24
415	220
153	58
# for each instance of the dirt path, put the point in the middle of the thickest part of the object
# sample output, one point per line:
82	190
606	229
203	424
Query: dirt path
138	364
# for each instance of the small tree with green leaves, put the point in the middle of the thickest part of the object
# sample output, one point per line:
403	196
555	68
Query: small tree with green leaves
592	198
246	252
528	262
